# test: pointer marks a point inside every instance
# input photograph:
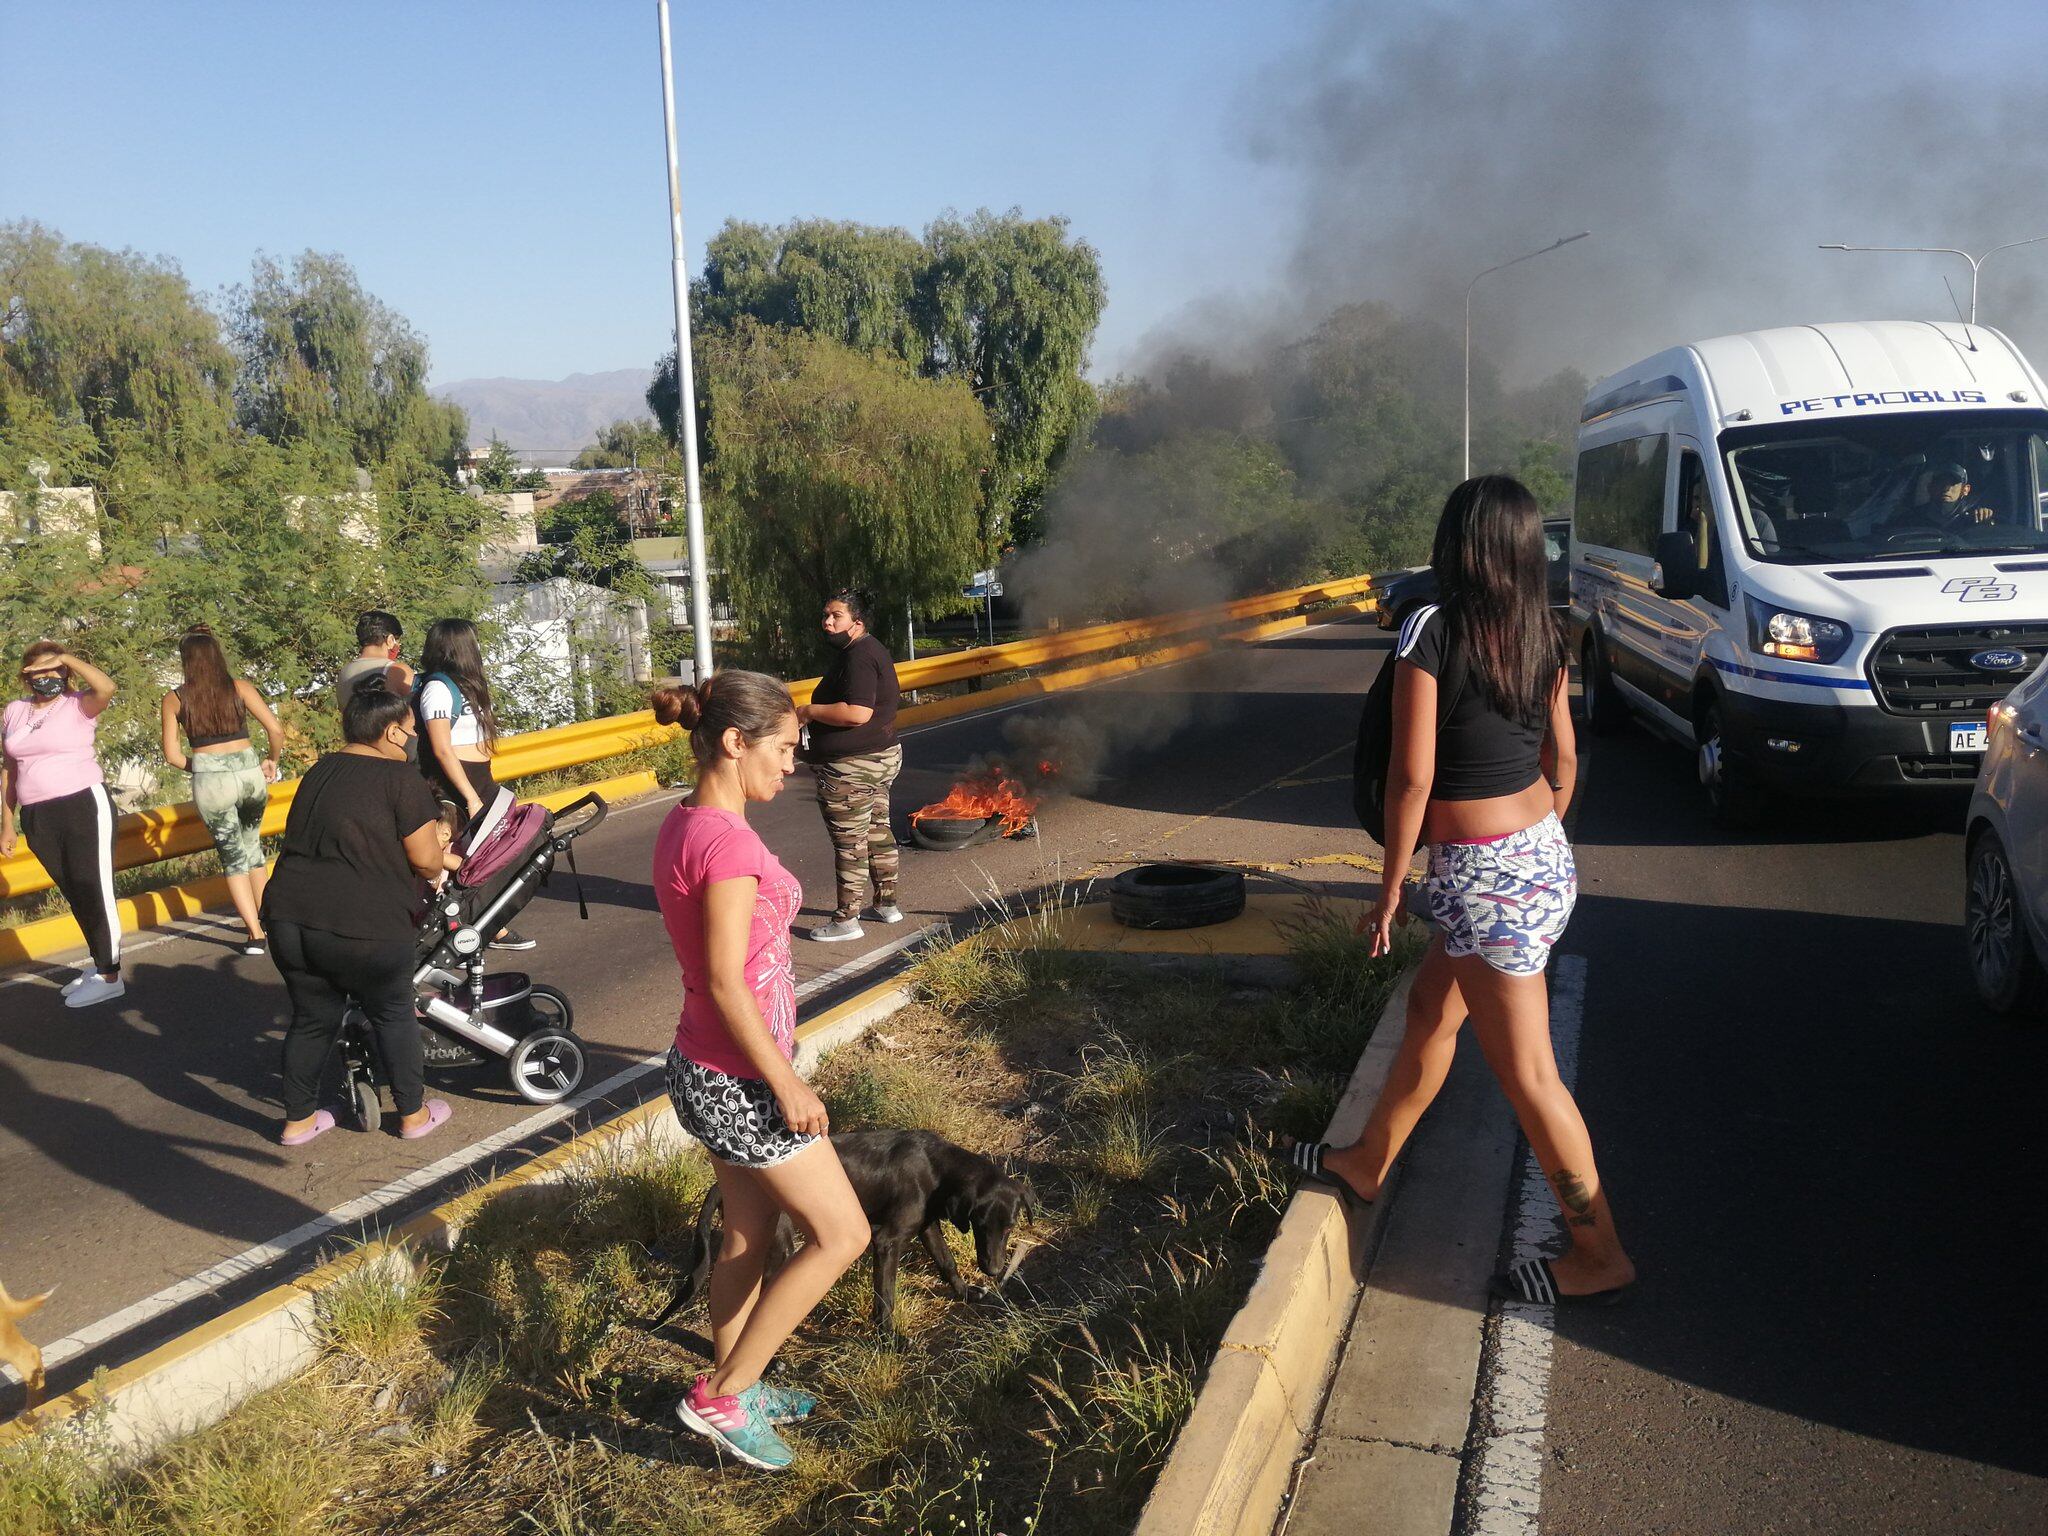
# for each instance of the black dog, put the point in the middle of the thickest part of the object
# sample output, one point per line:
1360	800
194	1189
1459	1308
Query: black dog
908	1183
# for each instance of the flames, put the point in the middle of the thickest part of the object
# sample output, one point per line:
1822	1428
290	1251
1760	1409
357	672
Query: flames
995	790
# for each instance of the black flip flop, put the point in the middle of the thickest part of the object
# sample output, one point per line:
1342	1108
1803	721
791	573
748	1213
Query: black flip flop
1306	1159
1534	1282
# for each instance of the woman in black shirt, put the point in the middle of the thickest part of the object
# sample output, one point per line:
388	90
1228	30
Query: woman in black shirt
339	909
854	759
1481	771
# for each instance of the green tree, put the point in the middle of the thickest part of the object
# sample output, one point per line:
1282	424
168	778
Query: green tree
1005	304
586	540
1012	306
498	469
323	360
630	443
112	341
836	467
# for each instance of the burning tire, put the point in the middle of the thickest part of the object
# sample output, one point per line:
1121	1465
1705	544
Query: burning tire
1175	896
945	832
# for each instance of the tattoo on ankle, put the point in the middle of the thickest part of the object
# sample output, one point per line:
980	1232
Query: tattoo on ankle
1583	1221
1571	1189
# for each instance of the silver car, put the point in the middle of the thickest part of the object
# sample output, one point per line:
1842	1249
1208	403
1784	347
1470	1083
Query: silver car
2005	854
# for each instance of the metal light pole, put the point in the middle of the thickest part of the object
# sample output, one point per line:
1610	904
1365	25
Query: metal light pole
686	388
1945	250
1530	256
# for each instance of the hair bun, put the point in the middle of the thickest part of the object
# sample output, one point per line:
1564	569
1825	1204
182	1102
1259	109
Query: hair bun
679	706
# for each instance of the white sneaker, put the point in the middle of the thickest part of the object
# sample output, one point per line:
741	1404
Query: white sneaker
79	980
838	931
95	989
888	912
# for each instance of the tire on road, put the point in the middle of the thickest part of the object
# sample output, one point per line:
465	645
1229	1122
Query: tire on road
2008	973
1734	798
942	833
1175	896
1605	711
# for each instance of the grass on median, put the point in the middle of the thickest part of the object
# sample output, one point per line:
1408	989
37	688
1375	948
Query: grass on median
508	1388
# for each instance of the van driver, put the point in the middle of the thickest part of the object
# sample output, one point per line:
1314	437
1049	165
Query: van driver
1943	500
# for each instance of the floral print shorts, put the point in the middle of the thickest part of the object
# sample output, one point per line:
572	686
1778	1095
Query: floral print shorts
1507	900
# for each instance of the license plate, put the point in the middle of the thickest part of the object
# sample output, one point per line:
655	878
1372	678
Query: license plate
1966	736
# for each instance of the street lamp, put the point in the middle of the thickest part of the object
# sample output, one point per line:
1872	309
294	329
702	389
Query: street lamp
1529	256
1946	250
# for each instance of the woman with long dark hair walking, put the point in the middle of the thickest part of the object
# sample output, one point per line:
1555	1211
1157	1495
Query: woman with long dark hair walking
728	904
1482	770
459	731
230	783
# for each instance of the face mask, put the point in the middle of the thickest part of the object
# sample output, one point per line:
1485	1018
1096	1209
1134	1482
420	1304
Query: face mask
46	685
842	640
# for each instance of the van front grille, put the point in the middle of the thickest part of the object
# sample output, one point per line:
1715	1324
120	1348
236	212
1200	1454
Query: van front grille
1927	671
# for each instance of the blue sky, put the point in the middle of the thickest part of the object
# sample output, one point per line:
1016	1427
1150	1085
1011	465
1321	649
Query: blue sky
495	171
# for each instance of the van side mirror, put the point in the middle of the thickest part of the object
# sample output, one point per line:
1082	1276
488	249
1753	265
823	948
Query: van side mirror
1678	560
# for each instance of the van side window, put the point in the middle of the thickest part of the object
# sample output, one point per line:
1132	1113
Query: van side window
1696	517
1620	500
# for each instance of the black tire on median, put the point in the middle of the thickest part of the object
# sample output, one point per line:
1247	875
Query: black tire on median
1175	896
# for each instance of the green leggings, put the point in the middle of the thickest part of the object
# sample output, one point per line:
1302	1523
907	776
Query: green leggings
229	791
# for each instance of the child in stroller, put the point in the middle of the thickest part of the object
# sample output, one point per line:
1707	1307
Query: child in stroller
468	1018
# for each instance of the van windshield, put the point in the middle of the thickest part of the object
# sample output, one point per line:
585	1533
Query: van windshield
1891	487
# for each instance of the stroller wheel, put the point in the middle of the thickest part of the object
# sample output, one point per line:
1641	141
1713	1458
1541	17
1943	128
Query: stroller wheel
369	1111
551	1008
546	1066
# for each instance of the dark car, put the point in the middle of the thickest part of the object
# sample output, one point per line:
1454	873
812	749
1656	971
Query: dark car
1401	594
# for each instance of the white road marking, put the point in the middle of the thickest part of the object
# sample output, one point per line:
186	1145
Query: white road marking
1508	1480
365	1206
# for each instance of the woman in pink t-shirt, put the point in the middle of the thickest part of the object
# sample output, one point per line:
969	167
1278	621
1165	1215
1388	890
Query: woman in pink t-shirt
728	904
50	775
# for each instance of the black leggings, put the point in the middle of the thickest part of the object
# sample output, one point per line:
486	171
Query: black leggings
73	836
322	971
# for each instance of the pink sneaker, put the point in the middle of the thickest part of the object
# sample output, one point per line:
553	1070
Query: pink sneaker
736	1424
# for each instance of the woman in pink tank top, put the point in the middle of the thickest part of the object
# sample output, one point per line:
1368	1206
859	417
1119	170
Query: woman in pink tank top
728	903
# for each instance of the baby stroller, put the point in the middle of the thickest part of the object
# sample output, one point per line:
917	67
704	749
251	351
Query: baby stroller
468	1018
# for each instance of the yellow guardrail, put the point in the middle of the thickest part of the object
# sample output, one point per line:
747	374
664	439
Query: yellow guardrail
168	831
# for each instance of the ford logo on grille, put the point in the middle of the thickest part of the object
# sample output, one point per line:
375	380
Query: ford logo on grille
1999	661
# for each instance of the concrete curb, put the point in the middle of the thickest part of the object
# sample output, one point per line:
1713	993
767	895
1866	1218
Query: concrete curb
1230	1467
168	904
195	1379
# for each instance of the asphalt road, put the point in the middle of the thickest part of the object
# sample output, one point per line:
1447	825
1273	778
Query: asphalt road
1827	1162
137	1140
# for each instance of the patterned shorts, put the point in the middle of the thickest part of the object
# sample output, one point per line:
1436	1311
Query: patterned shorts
1505	901
736	1118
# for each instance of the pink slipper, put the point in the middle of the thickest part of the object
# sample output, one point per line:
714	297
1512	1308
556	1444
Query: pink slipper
323	1122
437	1116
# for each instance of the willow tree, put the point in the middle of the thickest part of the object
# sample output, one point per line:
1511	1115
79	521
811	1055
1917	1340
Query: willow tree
1004	304
836	468
112	341
324	361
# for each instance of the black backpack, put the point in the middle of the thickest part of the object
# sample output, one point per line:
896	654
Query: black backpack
1375	749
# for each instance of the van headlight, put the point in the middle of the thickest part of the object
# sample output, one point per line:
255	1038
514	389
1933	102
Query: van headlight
1789	636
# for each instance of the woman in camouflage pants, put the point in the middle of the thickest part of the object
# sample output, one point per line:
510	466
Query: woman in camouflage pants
854	756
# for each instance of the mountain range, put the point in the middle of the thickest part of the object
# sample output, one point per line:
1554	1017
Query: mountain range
546	421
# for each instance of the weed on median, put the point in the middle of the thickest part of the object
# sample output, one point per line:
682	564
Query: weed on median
508	1387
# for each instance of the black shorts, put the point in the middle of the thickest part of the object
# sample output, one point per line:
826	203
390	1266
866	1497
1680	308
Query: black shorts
736	1118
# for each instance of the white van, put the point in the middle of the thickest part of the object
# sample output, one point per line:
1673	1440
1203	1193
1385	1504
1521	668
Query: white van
1816	555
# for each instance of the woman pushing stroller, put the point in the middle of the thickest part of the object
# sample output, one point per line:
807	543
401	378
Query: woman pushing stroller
338	910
